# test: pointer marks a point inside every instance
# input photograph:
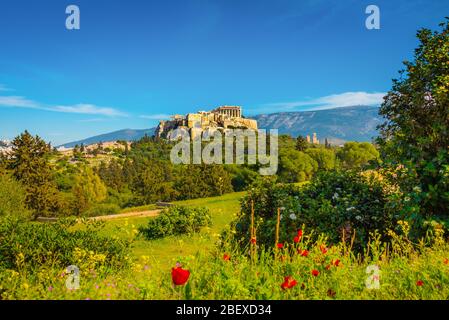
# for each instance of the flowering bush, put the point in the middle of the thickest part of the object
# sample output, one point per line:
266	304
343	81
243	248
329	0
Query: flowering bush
176	220
337	204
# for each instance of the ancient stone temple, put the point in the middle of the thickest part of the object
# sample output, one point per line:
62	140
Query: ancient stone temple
220	118
231	111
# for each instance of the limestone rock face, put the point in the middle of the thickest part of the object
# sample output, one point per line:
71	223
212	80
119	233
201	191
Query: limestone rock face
224	117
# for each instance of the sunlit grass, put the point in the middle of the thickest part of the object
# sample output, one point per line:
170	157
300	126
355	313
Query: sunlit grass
164	252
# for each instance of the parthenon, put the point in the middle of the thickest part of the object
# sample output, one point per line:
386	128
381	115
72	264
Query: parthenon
222	117
232	111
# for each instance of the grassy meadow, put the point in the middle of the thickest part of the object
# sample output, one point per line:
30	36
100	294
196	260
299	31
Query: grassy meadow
165	252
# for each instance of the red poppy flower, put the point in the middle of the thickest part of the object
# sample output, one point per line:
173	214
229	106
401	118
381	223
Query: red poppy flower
226	257
303	253
253	240
288	283
179	276
280	245
298	236
419	283
323	249
336	262
446	261
315	272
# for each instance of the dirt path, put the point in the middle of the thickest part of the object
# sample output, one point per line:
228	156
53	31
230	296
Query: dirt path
148	213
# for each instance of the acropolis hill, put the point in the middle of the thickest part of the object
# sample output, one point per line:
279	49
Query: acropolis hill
223	117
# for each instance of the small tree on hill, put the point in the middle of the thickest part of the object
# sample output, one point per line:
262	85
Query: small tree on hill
87	190
301	143
29	165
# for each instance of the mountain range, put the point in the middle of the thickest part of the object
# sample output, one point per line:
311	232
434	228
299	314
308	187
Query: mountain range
355	123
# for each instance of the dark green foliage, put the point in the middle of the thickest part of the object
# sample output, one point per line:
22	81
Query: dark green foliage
199	181
154	183
331	203
415	136
301	143
242	176
112	174
175	221
29	165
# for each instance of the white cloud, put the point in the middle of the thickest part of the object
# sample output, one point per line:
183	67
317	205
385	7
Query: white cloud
328	102
160	116
22	102
18	102
88	109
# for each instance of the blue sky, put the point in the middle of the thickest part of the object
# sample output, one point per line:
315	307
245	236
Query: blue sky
134	62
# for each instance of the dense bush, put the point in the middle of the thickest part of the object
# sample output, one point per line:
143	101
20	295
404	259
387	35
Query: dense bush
31	245
334	204
176	220
12	198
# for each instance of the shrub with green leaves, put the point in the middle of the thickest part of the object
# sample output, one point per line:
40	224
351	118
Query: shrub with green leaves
333	203
177	220
31	245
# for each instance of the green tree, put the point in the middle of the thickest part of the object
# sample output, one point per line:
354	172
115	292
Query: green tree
154	183
354	155
199	181
87	190
29	164
217	179
325	158
301	143
414	139
295	166
112	174
12	198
